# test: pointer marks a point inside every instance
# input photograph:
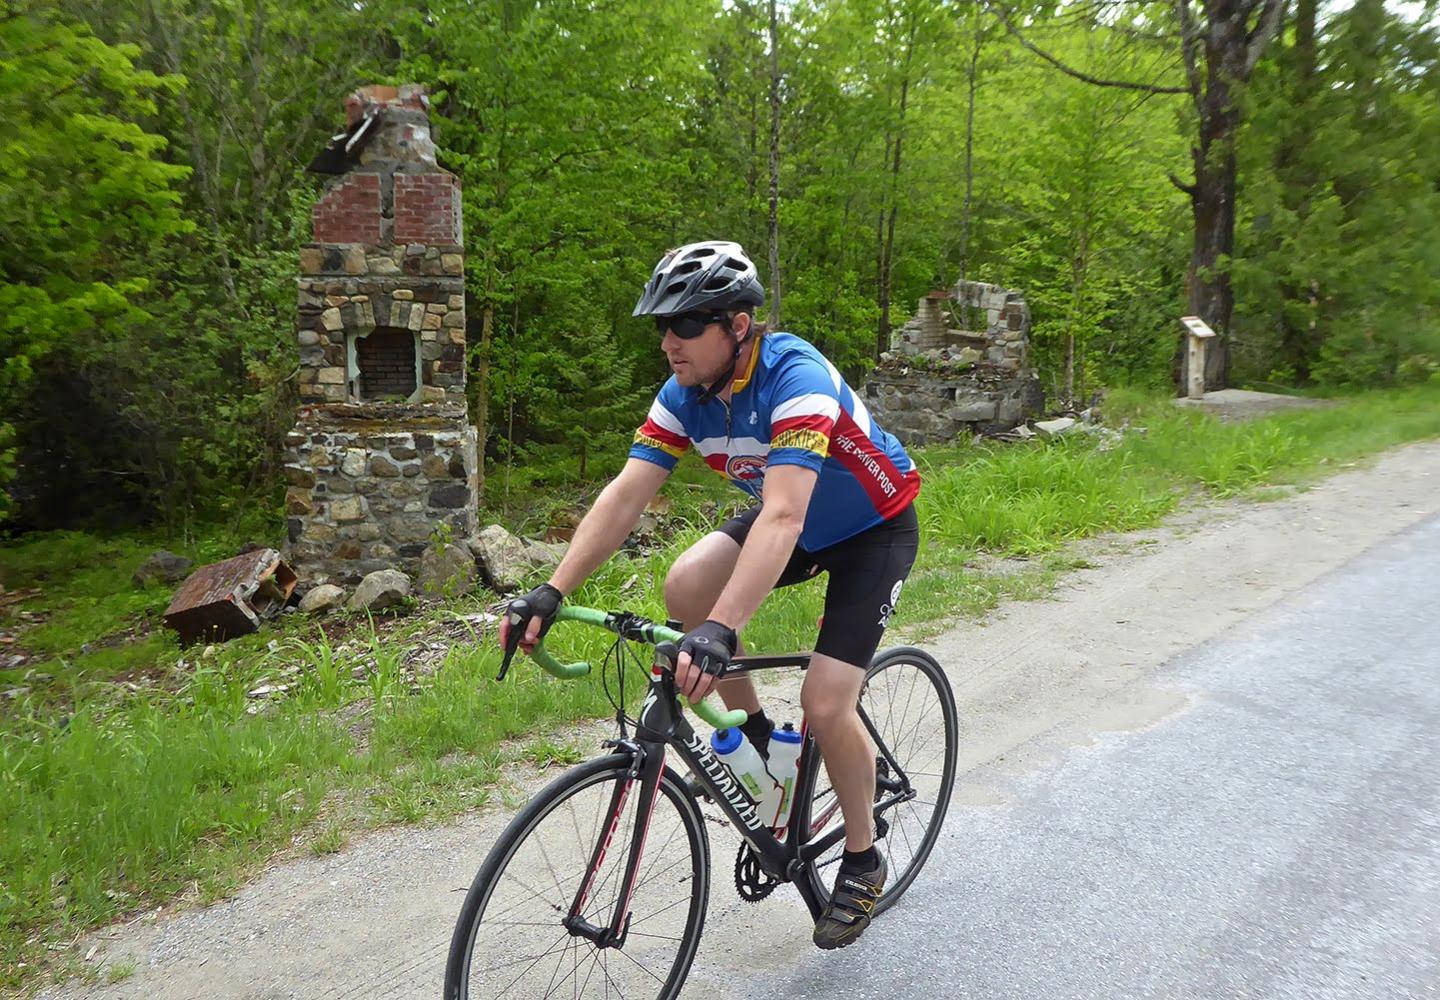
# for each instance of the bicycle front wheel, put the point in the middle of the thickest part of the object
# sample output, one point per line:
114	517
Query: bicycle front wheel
910	710
509	940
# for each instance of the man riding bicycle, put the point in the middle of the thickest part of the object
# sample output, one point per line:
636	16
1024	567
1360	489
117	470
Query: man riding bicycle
835	492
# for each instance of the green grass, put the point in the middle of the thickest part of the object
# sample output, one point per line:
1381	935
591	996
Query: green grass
139	771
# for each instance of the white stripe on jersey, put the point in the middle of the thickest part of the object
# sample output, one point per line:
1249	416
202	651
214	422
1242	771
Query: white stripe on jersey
666	419
732	446
834	374
811	404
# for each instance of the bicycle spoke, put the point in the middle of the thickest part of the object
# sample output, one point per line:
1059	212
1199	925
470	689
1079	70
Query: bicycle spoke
910	716
553	857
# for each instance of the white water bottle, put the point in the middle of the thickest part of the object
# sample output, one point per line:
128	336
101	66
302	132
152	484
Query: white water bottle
735	751
785	745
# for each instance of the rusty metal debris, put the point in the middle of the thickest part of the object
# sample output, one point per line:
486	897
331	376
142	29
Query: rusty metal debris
229	598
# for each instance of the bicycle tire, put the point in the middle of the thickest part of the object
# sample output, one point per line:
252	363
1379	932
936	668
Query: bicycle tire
560	804
899	707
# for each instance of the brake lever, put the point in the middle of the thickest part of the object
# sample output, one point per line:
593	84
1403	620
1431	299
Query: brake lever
517	616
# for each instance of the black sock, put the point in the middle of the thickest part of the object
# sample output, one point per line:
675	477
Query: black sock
861	861
757	730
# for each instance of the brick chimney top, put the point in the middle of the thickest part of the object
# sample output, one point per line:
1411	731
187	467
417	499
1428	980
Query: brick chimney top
379	95
389	188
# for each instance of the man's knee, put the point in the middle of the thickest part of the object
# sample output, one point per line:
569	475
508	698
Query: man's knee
696	578
830	694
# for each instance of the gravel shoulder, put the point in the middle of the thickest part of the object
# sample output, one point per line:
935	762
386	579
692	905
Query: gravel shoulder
1033	680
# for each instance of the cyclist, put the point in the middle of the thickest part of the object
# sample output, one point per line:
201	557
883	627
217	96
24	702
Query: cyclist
834	492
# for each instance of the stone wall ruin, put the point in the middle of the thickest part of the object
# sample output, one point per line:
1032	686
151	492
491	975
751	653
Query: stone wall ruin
946	374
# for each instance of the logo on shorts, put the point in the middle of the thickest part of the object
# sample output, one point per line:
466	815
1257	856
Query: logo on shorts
746	468
886	610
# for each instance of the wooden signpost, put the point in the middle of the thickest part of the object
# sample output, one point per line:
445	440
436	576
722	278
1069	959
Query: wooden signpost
1198	332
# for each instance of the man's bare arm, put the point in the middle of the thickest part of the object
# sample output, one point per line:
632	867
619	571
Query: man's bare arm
767	549
604	527
769	545
609	522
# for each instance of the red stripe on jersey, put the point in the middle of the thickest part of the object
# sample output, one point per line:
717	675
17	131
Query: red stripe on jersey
718	462
808	422
651	429
889	490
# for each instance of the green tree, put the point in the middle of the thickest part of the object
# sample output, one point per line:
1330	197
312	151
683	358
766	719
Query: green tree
83	188
1337	270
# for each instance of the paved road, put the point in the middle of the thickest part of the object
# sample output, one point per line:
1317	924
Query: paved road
1278	837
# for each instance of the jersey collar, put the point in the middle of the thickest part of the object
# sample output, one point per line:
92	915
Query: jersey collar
741	381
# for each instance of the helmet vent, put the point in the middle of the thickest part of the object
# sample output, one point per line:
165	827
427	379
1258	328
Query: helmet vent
713	275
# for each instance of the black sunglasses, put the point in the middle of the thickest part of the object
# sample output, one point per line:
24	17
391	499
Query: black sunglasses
688	326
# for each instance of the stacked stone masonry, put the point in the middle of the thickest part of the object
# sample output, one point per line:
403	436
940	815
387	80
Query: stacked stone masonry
372	486
349	292
942	378
382	462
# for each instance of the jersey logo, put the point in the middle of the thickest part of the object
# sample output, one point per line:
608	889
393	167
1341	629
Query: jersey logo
753	418
746	468
886	610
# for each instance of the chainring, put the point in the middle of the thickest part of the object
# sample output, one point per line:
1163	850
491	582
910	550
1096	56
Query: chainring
751	881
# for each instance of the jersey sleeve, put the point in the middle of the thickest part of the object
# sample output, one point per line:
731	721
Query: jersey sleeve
804	407
661	438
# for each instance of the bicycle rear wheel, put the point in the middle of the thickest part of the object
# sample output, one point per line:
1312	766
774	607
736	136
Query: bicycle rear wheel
509	940
910	707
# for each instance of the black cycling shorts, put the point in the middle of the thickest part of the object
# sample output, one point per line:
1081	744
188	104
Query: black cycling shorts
866	574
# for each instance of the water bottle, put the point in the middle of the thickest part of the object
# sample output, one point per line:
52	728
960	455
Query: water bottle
735	751
785	744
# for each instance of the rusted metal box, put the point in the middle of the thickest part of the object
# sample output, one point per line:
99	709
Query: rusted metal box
229	598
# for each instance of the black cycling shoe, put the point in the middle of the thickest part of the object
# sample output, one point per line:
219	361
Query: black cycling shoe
848	913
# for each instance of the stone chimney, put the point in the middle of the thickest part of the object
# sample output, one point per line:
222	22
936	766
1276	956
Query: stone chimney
382	459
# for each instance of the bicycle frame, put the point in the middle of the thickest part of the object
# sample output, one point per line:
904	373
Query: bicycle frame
661	726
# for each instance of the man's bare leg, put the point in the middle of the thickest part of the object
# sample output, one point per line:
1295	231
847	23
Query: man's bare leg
692	587
829	698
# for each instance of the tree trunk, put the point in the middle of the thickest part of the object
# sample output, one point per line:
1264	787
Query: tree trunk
1212	205
968	206
775	283
887	250
1212	196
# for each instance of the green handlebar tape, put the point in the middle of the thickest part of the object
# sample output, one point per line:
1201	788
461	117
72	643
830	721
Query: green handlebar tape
718	718
565	671
571	613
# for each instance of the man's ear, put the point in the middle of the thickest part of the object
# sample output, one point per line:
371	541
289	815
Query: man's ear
742	326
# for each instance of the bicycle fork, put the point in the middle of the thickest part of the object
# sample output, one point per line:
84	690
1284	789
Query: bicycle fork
642	780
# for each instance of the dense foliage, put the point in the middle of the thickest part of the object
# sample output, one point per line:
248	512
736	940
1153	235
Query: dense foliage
155	193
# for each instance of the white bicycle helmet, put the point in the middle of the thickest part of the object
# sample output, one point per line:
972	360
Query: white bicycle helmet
714	274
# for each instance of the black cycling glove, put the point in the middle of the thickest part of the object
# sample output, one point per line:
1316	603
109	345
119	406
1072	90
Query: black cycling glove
542	602
710	646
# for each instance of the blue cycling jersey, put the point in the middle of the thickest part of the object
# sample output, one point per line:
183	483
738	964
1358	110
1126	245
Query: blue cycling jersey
790	408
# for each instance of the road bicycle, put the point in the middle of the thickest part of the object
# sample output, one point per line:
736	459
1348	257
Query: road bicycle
598	887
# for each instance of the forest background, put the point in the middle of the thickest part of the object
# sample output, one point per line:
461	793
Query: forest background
154	195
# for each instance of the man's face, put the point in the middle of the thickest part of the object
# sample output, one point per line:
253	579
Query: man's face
701	360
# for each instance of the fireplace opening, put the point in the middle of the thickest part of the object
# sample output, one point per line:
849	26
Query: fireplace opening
384	365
